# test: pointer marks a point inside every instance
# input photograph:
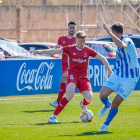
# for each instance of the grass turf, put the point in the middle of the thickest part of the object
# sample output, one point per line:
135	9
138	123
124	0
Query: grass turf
26	118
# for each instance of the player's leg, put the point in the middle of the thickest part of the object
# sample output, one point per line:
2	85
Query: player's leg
87	99
104	97
62	90
112	113
69	95
126	87
114	109
85	88
109	86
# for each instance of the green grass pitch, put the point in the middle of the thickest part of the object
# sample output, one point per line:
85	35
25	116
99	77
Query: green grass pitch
26	118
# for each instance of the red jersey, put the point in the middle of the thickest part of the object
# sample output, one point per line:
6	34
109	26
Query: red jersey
64	41
79	59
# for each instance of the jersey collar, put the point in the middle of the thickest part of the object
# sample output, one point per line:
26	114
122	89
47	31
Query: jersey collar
79	49
70	37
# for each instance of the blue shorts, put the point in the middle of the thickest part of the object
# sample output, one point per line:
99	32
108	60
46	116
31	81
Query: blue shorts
122	86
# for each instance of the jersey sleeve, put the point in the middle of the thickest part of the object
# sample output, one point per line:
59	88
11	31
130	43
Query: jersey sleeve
128	42
92	52
66	49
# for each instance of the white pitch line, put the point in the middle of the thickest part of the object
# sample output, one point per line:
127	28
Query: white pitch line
20	98
45	96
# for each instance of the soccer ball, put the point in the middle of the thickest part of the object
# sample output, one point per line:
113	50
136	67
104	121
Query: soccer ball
86	116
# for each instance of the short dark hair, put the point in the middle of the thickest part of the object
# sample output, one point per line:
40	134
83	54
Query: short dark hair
118	27
81	34
71	22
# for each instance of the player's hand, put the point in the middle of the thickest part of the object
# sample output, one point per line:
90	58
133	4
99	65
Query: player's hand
106	27
110	72
37	52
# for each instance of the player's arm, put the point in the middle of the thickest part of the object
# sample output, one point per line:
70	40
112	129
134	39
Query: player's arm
49	51
116	40
58	45
105	62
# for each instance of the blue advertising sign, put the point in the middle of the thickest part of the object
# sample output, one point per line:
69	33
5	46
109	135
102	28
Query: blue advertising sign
27	77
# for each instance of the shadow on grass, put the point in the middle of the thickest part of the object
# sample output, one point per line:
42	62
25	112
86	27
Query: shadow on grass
34	111
87	133
56	123
47	123
93	133
71	122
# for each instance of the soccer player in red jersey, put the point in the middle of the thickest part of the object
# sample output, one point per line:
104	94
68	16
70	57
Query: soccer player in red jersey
65	40
77	74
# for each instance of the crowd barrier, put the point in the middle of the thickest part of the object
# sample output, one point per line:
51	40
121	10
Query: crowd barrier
28	77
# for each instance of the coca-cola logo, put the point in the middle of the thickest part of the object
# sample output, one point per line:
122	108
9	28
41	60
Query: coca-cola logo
34	79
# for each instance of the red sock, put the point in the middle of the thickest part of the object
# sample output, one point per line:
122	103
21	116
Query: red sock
60	106
85	102
61	91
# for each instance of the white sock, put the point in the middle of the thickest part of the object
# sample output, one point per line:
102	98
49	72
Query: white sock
53	116
82	104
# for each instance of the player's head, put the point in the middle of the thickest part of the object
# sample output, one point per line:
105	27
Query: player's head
71	28
117	29
81	38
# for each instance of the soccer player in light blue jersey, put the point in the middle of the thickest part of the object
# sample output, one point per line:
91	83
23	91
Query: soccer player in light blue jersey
125	76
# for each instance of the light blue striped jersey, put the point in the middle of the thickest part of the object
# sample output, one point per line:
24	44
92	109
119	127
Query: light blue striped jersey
127	65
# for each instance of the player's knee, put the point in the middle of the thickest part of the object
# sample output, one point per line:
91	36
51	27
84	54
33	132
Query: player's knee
69	95
102	95
89	98
70	91
64	78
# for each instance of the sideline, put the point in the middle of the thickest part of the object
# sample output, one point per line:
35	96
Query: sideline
39	96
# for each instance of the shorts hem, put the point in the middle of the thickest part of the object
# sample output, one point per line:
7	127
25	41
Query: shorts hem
121	96
85	90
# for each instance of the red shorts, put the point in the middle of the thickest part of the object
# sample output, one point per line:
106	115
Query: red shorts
65	69
81	83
